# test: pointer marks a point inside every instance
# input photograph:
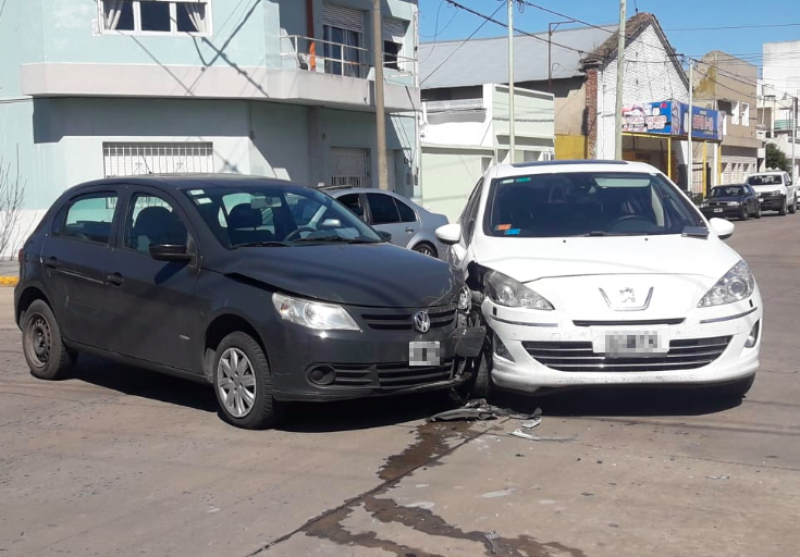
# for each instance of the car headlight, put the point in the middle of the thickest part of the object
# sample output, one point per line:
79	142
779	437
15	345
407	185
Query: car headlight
464	298
505	291
733	203
738	284
314	315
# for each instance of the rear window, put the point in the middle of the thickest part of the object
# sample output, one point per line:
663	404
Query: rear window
587	204
765	180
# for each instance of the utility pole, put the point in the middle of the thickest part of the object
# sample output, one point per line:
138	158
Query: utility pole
794	139
512	139
380	109
623	18
690	166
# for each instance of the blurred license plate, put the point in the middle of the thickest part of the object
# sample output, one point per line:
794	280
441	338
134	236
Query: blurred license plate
626	344
717	210
424	353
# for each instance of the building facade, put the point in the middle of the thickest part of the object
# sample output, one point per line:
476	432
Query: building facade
280	88
779	90
730	85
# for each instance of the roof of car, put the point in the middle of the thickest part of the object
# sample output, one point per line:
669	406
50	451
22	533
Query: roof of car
188	181
548	167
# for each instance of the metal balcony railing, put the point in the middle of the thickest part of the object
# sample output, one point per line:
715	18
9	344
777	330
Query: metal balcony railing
454	105
321	56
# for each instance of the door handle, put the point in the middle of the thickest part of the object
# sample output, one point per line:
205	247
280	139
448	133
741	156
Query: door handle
410	230
116	279
51	263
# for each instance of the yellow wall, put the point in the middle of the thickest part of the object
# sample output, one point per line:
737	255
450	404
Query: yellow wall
570	147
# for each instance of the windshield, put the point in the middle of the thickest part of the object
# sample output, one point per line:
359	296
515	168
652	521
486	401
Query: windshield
765	180
587	204
277	215
728	191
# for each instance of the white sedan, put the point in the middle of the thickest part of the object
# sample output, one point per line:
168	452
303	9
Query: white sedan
590	273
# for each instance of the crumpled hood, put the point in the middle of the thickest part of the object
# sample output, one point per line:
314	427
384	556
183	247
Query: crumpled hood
532	259
363	275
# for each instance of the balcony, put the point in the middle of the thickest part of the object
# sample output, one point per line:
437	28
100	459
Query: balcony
306	71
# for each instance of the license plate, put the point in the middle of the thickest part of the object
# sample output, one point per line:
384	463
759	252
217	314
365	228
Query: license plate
424	354
626	344
718	210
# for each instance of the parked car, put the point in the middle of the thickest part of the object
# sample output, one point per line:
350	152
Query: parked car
410	225
733	201
775	190
210	278
598	273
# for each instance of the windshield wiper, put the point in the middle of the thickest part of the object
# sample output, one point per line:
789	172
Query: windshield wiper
264	244
336	239
599	233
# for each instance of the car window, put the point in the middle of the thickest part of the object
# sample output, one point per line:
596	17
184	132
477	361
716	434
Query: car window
470	215
383	209
587	204
728	191
765	180
152	221
353	202
89	218
407	214
271	215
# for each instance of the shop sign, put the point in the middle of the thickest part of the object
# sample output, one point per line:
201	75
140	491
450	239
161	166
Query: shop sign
671	118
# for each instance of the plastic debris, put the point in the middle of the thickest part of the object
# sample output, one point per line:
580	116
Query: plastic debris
718	477
530	437
467	414
492	537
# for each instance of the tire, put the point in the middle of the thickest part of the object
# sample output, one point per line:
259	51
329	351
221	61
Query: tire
480	384
426	249
784	209
738	389
252	375
758	211
793	208
47	356
744	215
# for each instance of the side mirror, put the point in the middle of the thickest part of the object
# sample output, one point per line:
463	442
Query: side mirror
722	228
166	252
385	236
449	234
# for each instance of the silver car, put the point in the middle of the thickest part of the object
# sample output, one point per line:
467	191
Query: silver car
410	225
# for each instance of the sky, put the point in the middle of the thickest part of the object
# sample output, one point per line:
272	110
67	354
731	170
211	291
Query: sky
441	21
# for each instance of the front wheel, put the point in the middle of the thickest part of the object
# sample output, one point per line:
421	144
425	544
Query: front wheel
744	215
480	384
793	207
784	209
243	383
758	211
44	349
426	249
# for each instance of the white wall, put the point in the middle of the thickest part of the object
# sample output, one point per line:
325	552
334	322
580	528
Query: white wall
650	76
782	67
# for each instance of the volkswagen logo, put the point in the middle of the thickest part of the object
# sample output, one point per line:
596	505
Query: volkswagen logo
422	321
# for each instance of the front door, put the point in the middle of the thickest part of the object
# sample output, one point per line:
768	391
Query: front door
385	215
153	302
75	258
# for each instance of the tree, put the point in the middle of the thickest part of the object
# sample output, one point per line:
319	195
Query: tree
776	158
12	195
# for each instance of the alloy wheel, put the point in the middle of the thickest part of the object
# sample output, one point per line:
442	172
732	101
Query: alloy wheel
236	382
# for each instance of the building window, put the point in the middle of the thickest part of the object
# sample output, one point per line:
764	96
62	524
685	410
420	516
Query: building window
163	17
343	29
735	113
391	50
129	159
394	33
746	114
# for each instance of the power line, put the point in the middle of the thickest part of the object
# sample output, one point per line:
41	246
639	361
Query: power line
465	41
730	27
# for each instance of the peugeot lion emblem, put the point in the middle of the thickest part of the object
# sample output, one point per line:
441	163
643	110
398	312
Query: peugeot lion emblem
627	300
422	321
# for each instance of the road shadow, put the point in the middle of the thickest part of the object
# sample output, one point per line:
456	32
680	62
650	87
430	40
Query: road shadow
300	417
616	401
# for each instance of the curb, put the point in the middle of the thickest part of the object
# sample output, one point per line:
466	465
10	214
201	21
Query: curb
8	281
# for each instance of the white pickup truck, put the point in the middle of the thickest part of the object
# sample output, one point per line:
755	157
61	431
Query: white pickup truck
775	191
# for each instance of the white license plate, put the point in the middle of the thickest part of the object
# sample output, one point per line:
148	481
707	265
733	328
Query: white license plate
718	210
625	344
424	353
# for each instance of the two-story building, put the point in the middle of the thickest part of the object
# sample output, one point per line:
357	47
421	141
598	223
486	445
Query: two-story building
280	88
779	90
729	85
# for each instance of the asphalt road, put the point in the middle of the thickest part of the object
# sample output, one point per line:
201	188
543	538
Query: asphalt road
119	461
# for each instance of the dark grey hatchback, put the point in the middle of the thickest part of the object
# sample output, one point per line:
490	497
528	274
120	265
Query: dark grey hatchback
271	292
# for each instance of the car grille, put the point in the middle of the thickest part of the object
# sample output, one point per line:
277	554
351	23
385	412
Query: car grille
579	356
390	375
403	319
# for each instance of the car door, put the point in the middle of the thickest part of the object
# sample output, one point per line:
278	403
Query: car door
155	313
459	253
385	216
75	258
356	203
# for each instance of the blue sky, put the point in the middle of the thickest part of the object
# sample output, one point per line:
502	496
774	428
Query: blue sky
673	15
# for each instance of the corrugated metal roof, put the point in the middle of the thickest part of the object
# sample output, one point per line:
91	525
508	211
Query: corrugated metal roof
481	61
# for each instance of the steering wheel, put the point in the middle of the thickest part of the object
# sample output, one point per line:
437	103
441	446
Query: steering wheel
293	234
628	218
